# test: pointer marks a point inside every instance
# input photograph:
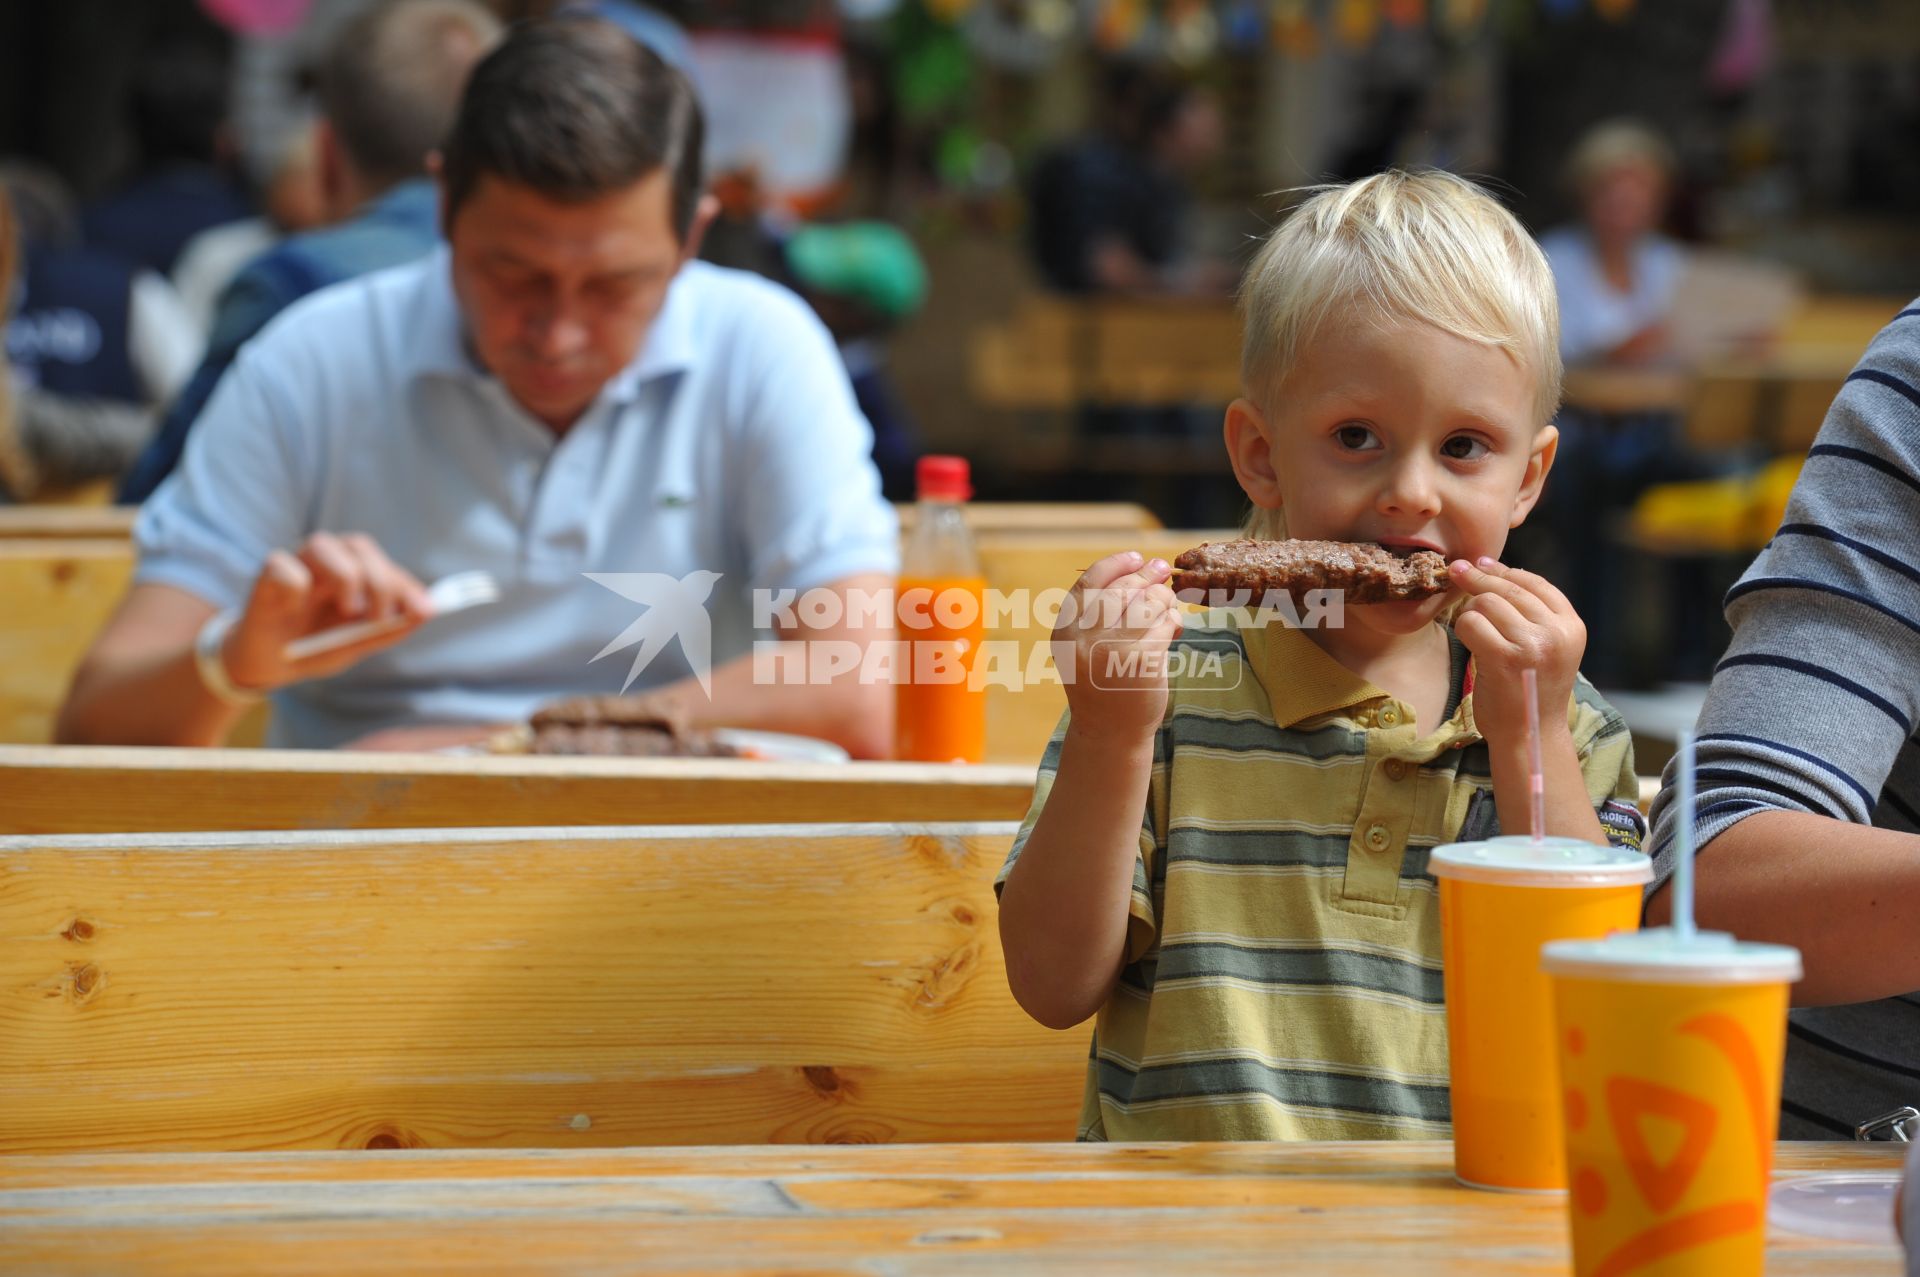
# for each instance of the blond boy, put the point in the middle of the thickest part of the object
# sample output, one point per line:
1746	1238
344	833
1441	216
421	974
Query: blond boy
1231	871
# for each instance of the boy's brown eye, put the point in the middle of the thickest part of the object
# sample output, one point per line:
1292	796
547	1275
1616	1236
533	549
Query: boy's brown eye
1464	448
1354	437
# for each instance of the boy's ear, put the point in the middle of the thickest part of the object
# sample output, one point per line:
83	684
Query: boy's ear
1250	448
1539	462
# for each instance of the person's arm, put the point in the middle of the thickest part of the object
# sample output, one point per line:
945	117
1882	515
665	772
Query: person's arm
1854	917
852	712
812	517
140	683
1814	701
230	533
1066	905
1514	621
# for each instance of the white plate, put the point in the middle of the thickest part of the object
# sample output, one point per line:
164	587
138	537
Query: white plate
780	746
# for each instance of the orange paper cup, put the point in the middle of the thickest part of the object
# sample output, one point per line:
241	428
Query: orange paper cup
1500	901
1670	1055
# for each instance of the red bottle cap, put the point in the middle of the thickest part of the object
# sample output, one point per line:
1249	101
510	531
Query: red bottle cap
944	479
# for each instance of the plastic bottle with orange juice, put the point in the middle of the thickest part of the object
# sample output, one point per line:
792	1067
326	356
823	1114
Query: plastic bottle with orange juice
939	718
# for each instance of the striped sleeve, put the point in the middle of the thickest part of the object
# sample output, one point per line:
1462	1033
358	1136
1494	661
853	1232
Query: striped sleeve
1605	748
1817	695
1143	920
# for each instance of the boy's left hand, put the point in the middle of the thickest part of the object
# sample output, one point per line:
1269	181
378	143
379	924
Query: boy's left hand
1515	621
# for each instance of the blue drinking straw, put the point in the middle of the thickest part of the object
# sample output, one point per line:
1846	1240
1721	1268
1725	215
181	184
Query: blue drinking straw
1683	842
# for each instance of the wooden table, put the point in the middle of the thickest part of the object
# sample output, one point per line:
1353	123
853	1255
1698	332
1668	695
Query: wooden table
904	1209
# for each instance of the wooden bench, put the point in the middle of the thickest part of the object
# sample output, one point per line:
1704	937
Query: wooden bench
115	523
532	988
53	789
58	593
1057	353
67	522
67	588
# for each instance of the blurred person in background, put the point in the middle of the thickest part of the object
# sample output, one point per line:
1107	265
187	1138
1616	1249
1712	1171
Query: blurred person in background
1617	275
389	89
864	280
1110	210
294	200
560	391
277	52
185	183
9	256
1615	271
95	345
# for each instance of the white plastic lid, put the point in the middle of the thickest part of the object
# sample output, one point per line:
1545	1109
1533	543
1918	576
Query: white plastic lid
1513	861
1854	1207
1659	955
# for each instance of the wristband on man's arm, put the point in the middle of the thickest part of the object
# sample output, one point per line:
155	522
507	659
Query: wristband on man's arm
209	660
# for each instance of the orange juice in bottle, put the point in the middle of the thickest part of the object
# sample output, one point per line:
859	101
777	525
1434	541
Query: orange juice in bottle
939	718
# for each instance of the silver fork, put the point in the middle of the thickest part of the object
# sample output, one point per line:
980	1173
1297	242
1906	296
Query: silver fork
454	593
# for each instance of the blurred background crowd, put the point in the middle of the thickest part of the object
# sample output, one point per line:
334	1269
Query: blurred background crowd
1023	220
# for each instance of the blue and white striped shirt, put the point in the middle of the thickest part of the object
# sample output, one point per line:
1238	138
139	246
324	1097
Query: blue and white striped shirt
1815	704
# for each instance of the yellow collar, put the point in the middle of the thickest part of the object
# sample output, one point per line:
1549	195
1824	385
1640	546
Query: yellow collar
1303	682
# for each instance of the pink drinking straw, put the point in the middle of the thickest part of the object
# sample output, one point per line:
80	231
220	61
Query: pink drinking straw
1536	770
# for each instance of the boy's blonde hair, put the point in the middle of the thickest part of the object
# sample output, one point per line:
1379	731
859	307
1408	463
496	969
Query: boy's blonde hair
1417	246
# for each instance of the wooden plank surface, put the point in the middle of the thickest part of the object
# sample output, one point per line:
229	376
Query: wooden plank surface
67	522
531	987
995	518
1005	1210
57	593
71	522
1056	353
65	590
48	789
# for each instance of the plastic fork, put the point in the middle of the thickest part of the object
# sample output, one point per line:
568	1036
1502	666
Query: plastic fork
454	593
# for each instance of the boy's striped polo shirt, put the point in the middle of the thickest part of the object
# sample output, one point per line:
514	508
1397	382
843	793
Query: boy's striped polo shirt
1282	976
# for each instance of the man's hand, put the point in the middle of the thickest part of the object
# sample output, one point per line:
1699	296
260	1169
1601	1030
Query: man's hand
1516	621
331	580
1111	643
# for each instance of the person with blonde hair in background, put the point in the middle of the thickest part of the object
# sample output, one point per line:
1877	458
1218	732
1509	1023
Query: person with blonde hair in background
1617	276
1615	271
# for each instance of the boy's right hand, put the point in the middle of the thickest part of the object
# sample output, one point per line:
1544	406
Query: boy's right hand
1111	643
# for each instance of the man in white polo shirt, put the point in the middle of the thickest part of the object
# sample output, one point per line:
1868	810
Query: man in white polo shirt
562	390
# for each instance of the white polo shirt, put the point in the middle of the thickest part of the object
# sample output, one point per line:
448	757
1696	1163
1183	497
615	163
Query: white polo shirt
732	443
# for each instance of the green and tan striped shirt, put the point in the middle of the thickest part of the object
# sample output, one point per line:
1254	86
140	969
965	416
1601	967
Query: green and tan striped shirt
1282	976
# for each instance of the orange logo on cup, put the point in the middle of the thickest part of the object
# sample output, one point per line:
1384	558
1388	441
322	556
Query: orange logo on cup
1644	1116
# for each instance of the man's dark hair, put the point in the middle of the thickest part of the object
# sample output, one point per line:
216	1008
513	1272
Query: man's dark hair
391	79
573	107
